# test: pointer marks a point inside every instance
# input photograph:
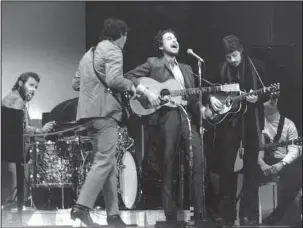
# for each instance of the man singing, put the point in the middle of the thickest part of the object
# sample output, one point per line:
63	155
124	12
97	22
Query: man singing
283	161
103	112
22	92
171	123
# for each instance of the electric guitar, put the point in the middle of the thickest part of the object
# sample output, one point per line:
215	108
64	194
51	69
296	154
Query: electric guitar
171	88
270	146
235	103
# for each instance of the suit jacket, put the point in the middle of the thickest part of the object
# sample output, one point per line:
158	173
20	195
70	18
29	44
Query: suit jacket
94	99
255	111
159	70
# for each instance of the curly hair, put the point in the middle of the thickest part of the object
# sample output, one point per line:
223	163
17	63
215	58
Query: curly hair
113	29
158	39
231	43
24	77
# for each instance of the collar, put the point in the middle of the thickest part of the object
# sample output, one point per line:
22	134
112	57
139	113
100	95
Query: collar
111	43
172	62
273	117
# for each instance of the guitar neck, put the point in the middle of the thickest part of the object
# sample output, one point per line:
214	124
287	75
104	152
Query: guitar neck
255	92
278	144
192	91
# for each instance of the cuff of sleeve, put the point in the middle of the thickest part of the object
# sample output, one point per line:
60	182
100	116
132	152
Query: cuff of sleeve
141	88
286	161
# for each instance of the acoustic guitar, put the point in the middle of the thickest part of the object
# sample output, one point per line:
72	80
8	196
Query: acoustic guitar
235	102
171	88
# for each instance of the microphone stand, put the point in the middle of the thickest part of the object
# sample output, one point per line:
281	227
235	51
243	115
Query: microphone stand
201	222
201	131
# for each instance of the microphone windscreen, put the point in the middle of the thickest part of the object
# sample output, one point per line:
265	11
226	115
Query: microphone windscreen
189	51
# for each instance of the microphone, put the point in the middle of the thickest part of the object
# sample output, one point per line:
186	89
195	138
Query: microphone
190	52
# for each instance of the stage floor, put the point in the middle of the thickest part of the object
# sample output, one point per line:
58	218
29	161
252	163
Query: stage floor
61	218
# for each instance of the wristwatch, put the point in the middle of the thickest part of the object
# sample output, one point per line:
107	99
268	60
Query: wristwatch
284	163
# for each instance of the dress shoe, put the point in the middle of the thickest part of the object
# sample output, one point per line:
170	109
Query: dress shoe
247	221
223	223
117	222
170	222
80	215
270	220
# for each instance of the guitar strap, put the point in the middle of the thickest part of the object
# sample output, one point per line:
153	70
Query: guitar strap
101	80
280	128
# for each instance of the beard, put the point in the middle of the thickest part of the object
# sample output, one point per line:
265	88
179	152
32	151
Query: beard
25	94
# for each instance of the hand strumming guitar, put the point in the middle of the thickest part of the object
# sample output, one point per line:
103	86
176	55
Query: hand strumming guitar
152	97
134	91
216	104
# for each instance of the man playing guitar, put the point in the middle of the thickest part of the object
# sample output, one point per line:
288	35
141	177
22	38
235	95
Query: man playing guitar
237	68
170	122
283	161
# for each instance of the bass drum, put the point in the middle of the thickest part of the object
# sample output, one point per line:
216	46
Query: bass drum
128	180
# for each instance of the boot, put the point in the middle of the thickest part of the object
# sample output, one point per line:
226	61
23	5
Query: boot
80	214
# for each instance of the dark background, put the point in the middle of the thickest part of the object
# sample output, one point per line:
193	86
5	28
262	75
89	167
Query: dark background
271	31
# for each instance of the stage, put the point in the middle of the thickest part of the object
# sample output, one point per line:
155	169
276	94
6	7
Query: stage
61	218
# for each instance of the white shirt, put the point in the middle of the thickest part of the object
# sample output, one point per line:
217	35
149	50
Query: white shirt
174	66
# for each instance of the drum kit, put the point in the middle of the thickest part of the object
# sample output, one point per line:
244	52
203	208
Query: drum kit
58	170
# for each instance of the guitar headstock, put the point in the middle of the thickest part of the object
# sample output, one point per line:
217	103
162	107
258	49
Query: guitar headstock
234	87
274	88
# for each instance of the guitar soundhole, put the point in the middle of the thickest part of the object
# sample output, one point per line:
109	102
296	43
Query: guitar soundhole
164	92
228	102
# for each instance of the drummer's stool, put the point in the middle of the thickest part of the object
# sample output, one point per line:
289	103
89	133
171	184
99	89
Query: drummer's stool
274	185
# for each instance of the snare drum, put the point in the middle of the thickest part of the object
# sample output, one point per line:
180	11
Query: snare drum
128	180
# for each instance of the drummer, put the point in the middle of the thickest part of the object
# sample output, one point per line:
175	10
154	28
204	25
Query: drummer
22	93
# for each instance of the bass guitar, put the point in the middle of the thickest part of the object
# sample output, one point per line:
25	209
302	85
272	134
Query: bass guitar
235	103
171	88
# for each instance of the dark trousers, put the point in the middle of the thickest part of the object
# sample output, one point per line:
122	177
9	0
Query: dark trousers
249	200
223	162
171	126
290	183
9	181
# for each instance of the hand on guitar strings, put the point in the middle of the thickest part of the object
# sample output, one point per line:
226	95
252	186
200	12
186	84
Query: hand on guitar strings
252	98
153	99
133	91
167	98
216	103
